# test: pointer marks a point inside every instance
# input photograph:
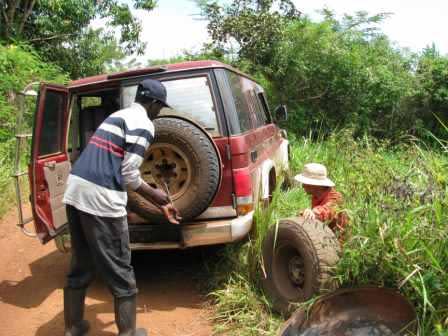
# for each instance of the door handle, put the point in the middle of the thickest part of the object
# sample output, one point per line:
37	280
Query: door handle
254	155
50	164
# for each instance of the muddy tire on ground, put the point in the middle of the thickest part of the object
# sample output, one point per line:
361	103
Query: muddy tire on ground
299	258
184	157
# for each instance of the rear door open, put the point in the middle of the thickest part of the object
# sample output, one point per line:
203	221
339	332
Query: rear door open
50	165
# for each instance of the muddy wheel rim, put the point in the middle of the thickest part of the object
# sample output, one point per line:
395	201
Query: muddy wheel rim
296	270
167	163
289	271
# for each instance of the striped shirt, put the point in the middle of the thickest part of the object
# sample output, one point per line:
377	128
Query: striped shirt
110	163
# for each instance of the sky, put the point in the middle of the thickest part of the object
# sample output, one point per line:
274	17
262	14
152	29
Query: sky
175	26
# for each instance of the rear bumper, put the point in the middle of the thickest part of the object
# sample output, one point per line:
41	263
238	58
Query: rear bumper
202	233
205	233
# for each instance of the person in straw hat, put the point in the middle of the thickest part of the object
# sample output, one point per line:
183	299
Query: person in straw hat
325	200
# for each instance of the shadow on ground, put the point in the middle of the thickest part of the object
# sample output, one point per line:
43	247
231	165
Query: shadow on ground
166	280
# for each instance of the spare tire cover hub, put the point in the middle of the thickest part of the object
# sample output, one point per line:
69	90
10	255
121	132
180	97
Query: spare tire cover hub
166	163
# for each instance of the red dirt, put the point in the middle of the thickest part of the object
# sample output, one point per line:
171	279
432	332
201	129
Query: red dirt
32	277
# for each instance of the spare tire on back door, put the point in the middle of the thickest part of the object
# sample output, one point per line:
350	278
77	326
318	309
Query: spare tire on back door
185	158
299	257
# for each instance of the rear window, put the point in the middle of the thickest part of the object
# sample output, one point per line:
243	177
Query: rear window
189	97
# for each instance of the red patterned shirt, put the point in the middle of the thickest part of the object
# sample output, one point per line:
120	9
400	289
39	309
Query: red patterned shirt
325	208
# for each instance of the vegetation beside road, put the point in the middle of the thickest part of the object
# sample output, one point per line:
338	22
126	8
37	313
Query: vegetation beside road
333	74
398	205
19	66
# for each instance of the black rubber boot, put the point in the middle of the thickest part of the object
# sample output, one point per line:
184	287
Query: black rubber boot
74	312
126	316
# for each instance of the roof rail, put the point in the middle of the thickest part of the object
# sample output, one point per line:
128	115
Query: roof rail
137	72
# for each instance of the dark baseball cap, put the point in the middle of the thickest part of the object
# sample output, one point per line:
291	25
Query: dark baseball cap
152	89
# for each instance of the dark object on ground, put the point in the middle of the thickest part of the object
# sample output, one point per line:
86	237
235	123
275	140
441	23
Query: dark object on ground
354	328
184	157
354	312
299	257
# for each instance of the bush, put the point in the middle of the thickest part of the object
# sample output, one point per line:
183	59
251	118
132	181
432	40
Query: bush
19	65
396	198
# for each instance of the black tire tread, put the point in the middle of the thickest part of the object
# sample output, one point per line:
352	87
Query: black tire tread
198	143
323	250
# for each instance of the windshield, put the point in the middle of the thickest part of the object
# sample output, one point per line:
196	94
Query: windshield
189	97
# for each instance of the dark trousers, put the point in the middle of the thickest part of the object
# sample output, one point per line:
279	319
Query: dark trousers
100	244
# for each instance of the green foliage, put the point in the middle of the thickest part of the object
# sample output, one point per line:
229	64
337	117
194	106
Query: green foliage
59	30
6	186
339	78
254	25
333	73
398	210
19	66
204	54
432	97
86	55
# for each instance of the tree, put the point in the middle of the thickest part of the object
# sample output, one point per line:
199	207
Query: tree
254	25
432	90
332	73
59	30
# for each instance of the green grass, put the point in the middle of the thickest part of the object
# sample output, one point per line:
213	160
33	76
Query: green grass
8	197
6	182
397	200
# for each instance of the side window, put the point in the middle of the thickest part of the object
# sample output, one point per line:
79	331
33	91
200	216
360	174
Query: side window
51	136
88	111
241	94
264	107
90	102
259	113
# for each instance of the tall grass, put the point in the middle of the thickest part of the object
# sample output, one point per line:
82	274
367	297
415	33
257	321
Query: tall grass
6	185
397	200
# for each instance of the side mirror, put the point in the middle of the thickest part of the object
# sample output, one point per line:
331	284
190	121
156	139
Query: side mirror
281	113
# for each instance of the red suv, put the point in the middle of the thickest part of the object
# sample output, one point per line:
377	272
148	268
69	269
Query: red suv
217	150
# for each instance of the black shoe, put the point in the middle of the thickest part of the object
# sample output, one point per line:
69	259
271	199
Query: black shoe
126	316
74	312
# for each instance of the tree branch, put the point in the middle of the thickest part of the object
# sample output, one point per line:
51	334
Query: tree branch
5	17
39	39
12	4
27	13
320	95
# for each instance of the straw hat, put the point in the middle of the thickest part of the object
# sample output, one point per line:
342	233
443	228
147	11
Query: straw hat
314	174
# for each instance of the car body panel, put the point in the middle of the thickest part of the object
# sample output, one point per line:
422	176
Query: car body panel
260	152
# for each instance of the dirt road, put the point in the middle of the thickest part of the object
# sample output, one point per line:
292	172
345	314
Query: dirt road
32	277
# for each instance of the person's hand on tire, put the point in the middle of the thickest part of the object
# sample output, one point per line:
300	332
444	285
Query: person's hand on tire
156	196
171	213
160	197
308	214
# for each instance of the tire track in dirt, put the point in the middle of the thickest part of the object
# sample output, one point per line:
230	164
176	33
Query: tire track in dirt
32	277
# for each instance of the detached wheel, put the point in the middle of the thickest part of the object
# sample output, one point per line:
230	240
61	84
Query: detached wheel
184	157
298	259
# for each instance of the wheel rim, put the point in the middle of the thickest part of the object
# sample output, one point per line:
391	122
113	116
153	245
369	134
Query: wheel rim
296	270
289	272
167	163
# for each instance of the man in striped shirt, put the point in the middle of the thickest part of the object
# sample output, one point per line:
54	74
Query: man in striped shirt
96	209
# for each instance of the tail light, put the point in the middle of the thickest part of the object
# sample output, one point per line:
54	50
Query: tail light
242	181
